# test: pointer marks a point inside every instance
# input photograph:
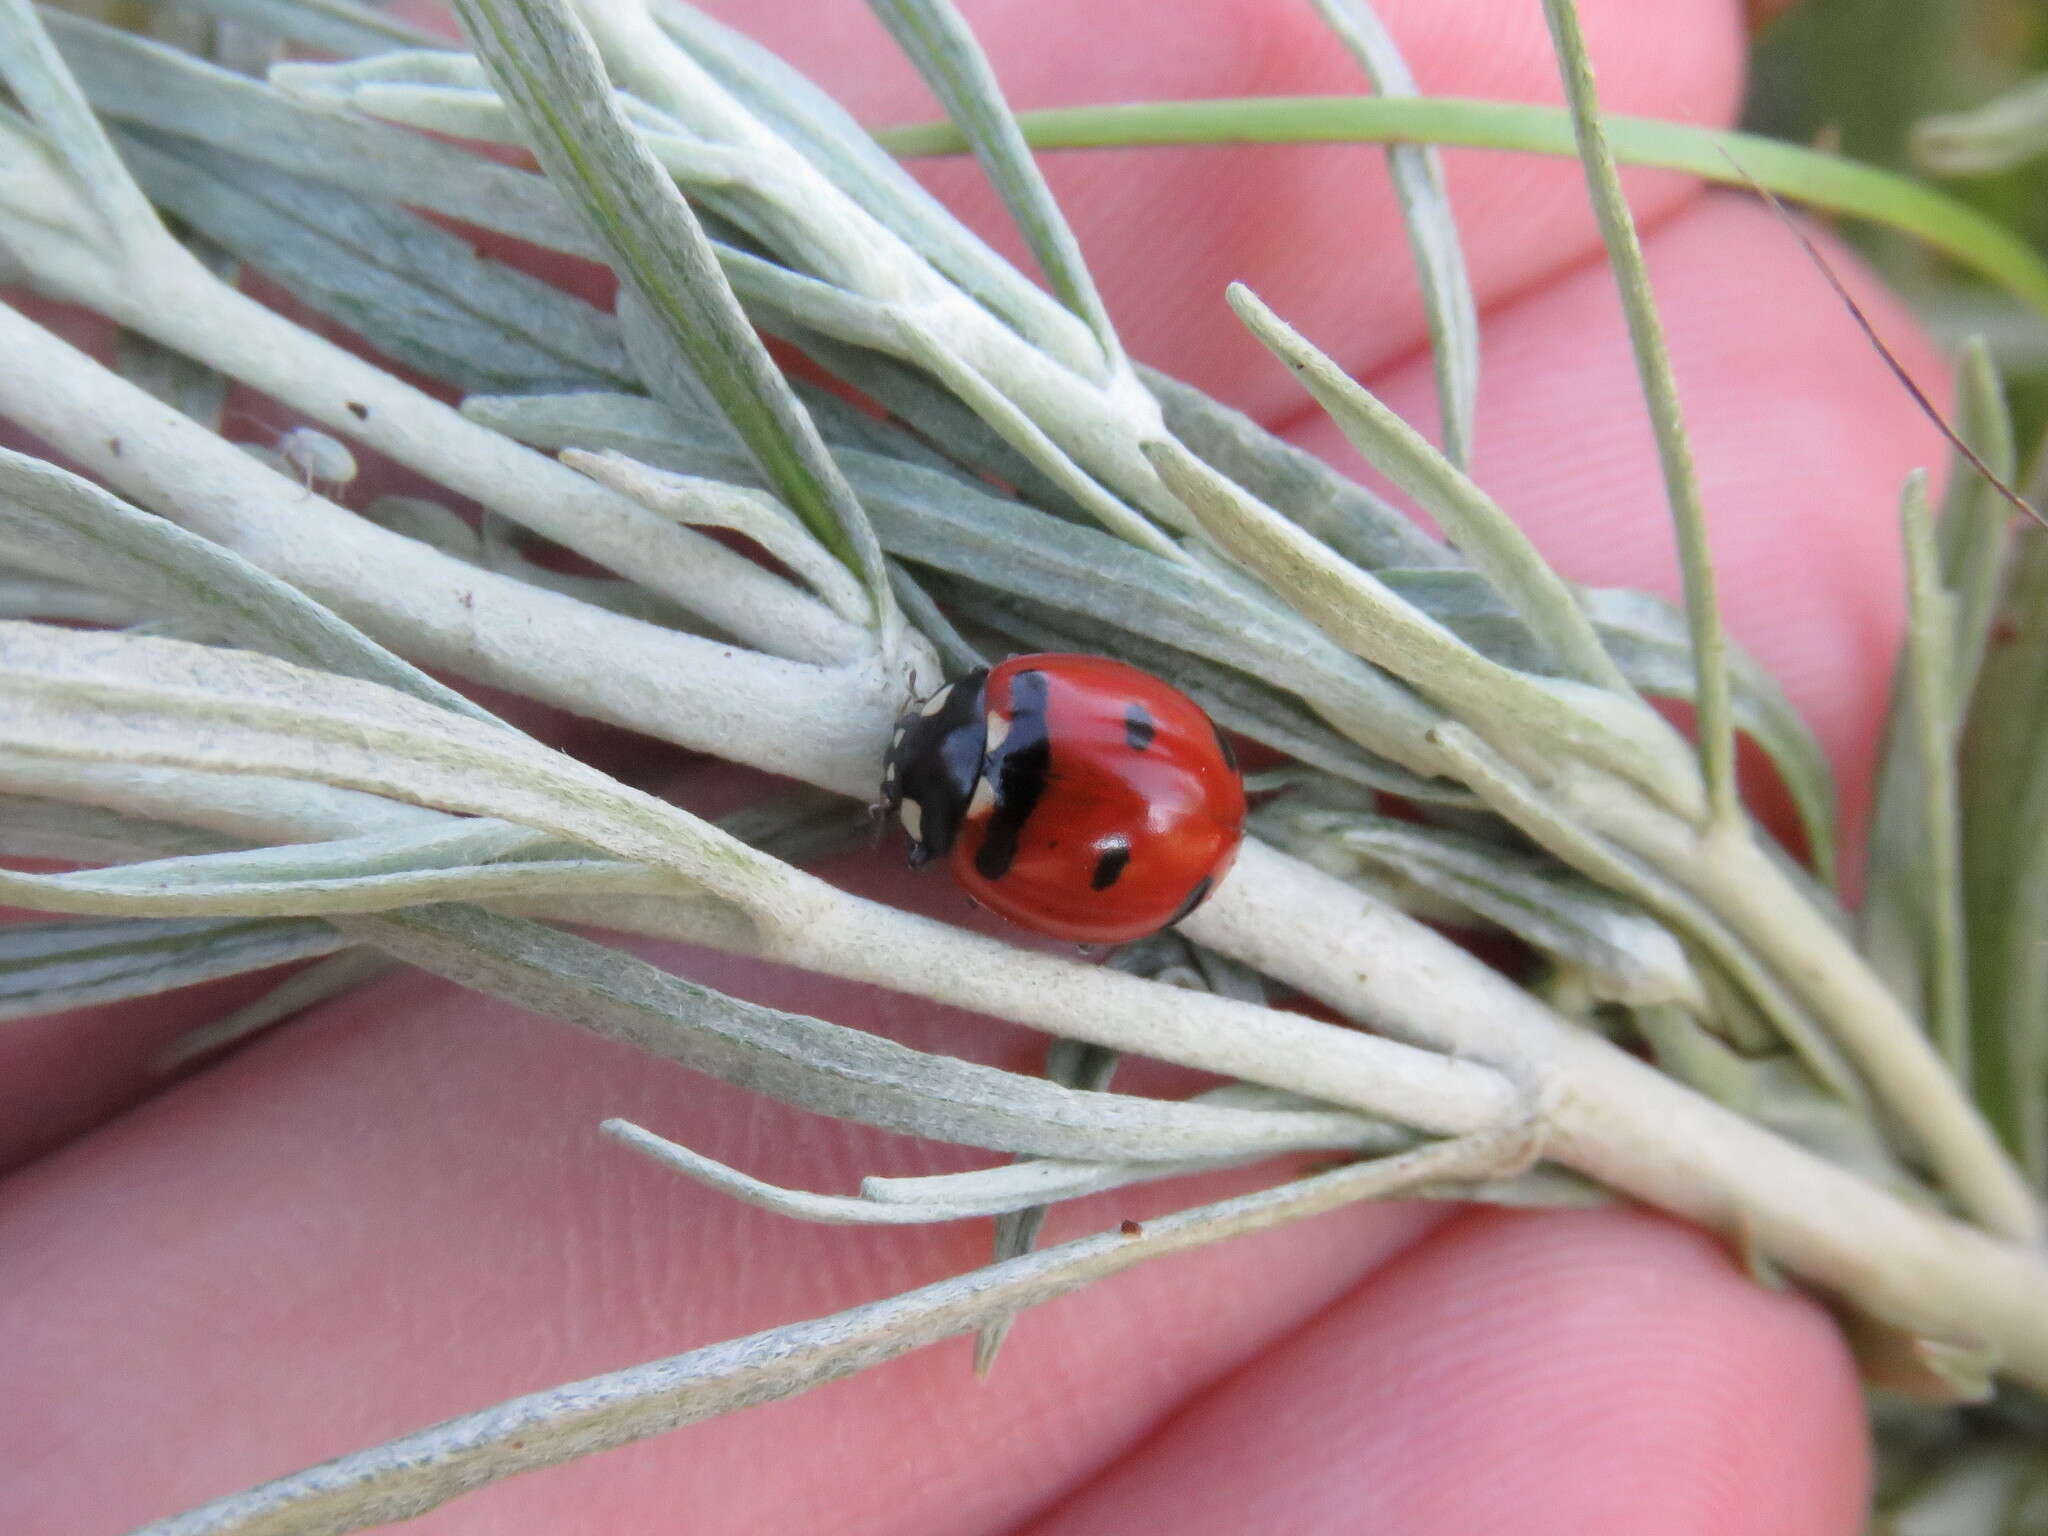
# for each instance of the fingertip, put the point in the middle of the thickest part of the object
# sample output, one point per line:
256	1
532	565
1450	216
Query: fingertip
1569	1372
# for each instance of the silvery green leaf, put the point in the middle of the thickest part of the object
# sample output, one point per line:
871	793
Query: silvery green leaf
340	27
821	130
67	527
1356	522
819	1066
430	522
955	652
33	827
134	81
1073	1064
498	544
1545	1187
59	120
931	519
1714	724
1612	731
410	289
548	71
188	387
1932	724
955	434
1234	699
939	43
1476	525
304	989
2005	860
51	967
1350	519
1773	1088
1649	641
418	1472
1418	176
1623	954
801	825
1974	517
25	596
755	515
1719	946
474	858
1904	897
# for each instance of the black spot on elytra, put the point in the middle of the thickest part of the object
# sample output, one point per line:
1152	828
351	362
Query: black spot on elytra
1196	897
1017	771
1114	854
1139	728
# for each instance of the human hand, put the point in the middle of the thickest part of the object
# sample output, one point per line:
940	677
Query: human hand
398	1209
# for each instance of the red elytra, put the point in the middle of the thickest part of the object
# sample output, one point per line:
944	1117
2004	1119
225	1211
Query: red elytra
1074	795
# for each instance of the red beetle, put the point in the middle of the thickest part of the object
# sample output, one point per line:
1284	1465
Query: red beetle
1075	795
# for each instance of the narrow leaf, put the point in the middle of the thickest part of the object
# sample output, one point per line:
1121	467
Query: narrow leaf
410	289
937	40
1418	175
68	527
826	134
549	72
2005	861
317	983
1475	524
416	1473
1933	712
1619	952
1075	1064
1715	725
52	967
823	1067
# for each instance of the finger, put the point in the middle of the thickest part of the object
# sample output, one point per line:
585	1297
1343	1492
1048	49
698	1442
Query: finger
400	1209
1801	436
1591	1372
1314	228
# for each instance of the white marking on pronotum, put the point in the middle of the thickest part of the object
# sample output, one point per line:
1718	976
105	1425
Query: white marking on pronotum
998	733
912	816
983	799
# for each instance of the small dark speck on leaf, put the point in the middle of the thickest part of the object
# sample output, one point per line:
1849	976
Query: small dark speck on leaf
1132	1228
114	446
357	409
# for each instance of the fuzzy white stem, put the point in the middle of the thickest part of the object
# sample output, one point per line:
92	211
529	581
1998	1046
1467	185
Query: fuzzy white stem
1728	868
1613	1117
171	298
828	725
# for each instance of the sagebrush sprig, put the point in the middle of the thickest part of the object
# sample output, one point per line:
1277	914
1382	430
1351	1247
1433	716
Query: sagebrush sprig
344	793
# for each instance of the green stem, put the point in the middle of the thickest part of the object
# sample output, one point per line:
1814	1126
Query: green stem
1823	181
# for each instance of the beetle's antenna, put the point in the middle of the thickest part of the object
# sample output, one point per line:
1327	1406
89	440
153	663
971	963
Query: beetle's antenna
1891	360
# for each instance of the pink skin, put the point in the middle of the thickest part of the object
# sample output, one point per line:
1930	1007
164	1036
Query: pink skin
398	1208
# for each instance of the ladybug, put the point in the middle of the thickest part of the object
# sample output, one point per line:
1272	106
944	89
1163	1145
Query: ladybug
1074	795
